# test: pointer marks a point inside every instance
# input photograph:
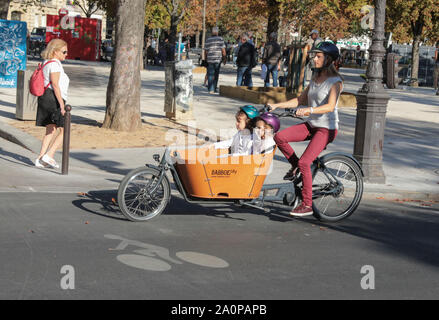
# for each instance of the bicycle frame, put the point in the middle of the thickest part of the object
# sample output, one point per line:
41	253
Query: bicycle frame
283	190
165	163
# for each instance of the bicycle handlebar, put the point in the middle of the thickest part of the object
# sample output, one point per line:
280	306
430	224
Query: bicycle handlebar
289	112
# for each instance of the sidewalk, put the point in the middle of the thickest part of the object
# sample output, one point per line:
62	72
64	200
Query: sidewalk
411	146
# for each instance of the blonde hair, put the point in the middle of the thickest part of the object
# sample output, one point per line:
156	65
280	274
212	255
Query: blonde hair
54	45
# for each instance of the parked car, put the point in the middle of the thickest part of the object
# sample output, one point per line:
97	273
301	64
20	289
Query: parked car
38	34
37	42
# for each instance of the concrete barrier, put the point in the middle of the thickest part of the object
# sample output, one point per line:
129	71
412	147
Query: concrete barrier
26	108
347	100
179	90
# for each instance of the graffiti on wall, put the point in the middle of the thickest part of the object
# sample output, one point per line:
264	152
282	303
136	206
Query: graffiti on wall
12	51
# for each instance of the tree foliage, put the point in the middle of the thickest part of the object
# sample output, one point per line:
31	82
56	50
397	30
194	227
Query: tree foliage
408	19
413	21
334	18
89	7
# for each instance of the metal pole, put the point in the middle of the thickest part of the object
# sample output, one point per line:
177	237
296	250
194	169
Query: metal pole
66	141
178	48
158	40
372	102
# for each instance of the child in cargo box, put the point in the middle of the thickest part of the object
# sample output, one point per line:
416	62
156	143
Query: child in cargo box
242	142
266	125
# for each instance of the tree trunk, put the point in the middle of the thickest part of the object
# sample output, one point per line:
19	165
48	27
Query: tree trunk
123	91
203	39
173	30
417	32
415	59
273	16
4	9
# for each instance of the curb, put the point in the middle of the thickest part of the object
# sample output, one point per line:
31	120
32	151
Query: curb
399	195
19	137
371	191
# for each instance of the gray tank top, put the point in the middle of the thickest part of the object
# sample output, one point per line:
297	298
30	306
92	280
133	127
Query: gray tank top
318	95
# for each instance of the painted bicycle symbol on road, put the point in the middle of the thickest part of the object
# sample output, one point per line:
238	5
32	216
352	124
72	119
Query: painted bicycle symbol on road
155	258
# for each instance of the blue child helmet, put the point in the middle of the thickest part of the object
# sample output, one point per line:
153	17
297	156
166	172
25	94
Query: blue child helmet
250	111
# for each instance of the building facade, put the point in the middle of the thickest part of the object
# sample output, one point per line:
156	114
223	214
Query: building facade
35	15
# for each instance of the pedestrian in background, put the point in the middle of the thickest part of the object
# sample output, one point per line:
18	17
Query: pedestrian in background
358	57
215	52
271	58
169	50
245	62
236	47
51	105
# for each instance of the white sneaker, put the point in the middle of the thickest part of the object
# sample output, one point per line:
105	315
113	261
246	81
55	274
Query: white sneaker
50	161
39	163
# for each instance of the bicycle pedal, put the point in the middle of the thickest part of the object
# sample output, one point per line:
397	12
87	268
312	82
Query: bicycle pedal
293	179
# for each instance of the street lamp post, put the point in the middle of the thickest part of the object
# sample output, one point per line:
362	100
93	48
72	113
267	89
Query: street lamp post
372	102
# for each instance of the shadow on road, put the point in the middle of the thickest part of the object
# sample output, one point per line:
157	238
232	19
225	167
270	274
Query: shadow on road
20	159
105	200
94	160
400	229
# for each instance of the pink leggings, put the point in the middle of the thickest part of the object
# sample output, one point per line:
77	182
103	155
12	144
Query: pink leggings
320	138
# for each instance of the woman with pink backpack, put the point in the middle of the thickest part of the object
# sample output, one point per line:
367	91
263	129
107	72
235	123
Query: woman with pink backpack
51	104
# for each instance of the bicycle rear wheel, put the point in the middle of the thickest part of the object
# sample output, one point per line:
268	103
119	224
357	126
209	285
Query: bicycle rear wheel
337	188
140	198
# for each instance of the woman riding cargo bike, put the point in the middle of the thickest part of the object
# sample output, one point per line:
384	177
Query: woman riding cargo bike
320	99
329	187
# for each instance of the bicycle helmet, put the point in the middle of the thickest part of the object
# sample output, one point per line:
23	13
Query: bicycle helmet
272	120
250	111
328	48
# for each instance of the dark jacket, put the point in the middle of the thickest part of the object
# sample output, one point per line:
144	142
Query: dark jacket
246	55
272	53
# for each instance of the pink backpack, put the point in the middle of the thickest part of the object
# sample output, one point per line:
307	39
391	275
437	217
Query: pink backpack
36	83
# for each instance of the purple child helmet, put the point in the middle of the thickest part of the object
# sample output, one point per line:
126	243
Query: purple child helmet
272	120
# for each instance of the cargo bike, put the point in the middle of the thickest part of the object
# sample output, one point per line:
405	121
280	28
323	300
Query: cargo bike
209	176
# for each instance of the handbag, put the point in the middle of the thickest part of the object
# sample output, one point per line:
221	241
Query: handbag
36	82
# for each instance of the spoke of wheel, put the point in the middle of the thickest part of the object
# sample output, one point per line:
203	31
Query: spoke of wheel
322	201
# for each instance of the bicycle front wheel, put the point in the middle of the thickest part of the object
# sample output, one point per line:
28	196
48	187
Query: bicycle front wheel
337	188
140	197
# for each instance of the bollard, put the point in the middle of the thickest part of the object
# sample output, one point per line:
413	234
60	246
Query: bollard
66	141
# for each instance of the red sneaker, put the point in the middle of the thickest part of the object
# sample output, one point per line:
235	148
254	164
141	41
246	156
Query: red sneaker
301	211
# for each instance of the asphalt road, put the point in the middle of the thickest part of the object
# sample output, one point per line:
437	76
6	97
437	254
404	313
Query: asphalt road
72	246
